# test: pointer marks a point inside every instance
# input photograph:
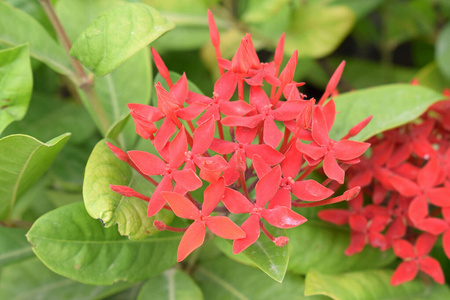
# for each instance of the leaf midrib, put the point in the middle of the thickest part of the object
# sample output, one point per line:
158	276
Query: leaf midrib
36	237
227	286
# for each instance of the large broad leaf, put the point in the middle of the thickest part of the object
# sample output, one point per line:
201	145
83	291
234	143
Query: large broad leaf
74	245
317	29
30	279
27	30
320	246
104	169
23	159
223	278
264	254
390	105
16	83
172	284
13	246
443	51
368	285
130	82
118	34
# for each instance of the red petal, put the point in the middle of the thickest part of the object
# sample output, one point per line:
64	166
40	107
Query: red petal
357	243
231	174
148	163
187	179
377	240
289	110
405	272
432	267
347	150
252	231
432	225
439	196
404	186
167	129
425	243
211	168
282	198
203	136
225	86
191	240
335	216
312	150
329	112
212	196
334	80
260	166
403	249
332	169
319	127
179	91
162	69
288	72
418	209
358	223
428	175
310	190
272	135
268	154
259	99
250	122
225	228
292	162
267	186
213	31
236	203
181	206
157	201
177	149
282	217
222	147
235	108
119	153
192	111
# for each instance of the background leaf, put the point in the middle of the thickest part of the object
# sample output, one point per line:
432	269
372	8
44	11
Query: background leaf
23	159
27	30
104	169
118	34
16	82
74	245
443	51
30	279
173	284
390	105
374	284
13	246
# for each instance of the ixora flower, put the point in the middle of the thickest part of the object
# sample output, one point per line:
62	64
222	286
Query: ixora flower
254	154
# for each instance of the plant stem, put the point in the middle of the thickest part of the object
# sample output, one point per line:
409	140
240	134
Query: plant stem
84	82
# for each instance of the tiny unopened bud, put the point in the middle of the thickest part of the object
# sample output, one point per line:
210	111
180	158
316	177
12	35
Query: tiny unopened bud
279	51
159	225
415	81
119	153
351	193
123	190
281	241
213	31
161	66
358	127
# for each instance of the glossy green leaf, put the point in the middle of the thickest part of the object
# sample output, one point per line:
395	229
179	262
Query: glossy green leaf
16	83
320	246
318	29
390	105
443	51
74	245
30	279
34	9
368	285
173	284
23	159
118	34
27	30
104	169
223	278
13	246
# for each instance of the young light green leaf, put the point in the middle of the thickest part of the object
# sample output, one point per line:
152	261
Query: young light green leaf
27	30
30	279
172	284
222	278
442	53
320	246
74	245
118	34
13	246
431	77
371	285
317	29
390	105
104	169
23	159
16	83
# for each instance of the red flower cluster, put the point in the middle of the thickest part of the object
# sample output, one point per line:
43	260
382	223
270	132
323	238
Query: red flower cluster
252	154
407	179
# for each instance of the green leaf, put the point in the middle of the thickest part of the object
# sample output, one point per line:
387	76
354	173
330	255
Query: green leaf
260	11
223	278
317	29
118	34
13	246
360	8
374	284
23	159
102	170
390	105
74	245
320	246
431	77
27	30
172	284
443	51
30	279
16	83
